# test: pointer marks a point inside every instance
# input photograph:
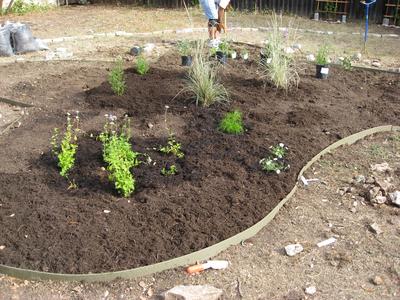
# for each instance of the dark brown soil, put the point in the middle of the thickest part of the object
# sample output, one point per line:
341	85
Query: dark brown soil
220	189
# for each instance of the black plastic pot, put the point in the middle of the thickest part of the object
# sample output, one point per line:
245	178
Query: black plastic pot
263	58
322	71
186	60
222	57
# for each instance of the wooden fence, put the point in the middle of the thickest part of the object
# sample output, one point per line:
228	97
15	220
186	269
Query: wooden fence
298	7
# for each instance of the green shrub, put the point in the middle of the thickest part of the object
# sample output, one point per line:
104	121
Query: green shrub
21	7
203	81
322	58
232	123
65	150
184	48
118	154
116	78
173	147
169	170
142	66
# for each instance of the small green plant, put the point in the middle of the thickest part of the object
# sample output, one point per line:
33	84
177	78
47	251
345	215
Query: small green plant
224	47
275	162
203	81
169	170
184	48
116	78
142	65
322	58
172	147
118	154
232	123
65	150
346	63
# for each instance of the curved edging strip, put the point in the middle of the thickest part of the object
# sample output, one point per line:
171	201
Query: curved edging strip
198	255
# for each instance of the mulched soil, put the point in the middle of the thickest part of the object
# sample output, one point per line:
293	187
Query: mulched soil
220	189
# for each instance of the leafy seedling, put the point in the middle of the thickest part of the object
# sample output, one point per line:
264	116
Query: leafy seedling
232	123
116	78
172	147
142	66
169	170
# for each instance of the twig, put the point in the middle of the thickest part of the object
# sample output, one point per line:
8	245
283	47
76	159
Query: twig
239	289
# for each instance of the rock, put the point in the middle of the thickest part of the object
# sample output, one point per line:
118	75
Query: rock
395	197
150	125
193	292
310	57
2	247
381	168
311	290
376	64
106	211
293	249
374	227
377	280
384	185
373	193
135	50
360	179
326	242
353	210
379	200
370	180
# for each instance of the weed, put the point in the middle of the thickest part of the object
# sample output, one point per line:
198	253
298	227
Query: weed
203	81
280	67
378	151
346	63
65	150
142	65
169	170
224	47
118	154
322	58
275	162
173	147
232	123
184	48
116	78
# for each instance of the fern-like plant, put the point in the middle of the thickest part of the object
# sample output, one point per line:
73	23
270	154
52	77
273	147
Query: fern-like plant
116	78
232	123
142	65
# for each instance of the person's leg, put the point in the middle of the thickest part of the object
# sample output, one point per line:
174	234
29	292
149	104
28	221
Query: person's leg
211	12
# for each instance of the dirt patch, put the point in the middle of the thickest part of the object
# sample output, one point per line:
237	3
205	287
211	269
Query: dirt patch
220	189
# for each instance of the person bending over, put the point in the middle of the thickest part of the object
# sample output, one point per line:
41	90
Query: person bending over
215	13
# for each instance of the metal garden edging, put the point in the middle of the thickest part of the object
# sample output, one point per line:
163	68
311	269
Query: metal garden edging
200	254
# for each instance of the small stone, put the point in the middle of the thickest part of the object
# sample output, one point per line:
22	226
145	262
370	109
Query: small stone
150	125
374	227
360	179
370	180
142	284
377	280
293	249
102	168
384	185
106	293
395	197
2	247
311	290
12	215
150	292
192	292
106	211
136	50
379	200
327	242
373	193
376	64
353	210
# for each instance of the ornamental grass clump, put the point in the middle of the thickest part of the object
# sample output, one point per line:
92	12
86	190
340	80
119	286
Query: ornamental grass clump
232	123
118	154
275	162
65	149
142	65
116	78
280	67
203	80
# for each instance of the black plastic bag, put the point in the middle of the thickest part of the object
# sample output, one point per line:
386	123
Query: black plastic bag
23	40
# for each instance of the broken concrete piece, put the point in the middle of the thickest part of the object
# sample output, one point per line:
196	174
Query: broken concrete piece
293	249
193	292
395	197
375	228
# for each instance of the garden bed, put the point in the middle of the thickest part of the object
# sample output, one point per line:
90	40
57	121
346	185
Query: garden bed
220	189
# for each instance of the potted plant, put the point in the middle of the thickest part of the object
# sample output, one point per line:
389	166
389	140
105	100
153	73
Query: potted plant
322	61
185	50
222	52
244	54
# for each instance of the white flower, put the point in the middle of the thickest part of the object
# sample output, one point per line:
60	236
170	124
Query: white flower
278	171
166	106
275	158
282	145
